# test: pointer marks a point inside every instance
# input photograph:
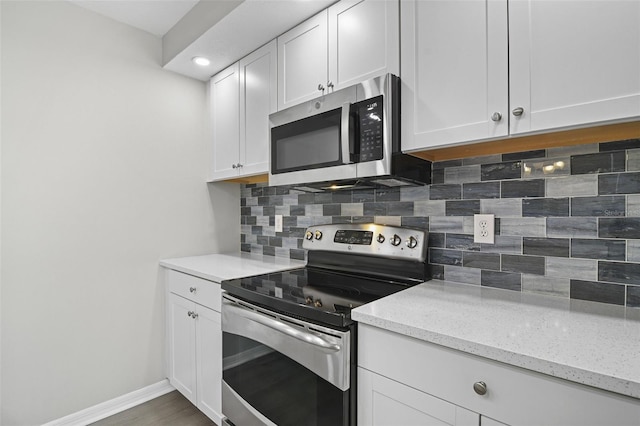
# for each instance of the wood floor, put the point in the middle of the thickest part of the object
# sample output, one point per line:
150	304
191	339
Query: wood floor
171	409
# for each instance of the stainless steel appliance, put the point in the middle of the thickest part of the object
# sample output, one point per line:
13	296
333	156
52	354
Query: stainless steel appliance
289	344
347	137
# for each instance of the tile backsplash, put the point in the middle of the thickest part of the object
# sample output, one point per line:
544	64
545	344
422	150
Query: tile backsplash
567	219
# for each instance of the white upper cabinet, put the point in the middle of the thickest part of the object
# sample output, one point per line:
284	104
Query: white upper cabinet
364	41
302	62
258	86
241	99
350	42
573	62
454	71
224	101
479	70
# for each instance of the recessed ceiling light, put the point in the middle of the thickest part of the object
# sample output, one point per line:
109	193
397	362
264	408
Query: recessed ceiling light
200	60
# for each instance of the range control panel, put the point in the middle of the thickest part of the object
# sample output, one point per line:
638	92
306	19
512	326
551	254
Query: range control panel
368	238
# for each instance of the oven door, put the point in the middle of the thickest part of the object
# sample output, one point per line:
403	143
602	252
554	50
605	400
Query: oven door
282	371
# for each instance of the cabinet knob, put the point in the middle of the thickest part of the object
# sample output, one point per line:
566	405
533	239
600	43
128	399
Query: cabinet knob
189	313
496	116
518	111
239	165
234	166
321	87
194	315
192	289
480	388
330	85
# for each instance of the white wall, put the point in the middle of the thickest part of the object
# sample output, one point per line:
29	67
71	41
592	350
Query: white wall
103	170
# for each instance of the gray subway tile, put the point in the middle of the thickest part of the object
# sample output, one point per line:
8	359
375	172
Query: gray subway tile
297	254
331	210
524	264
352	209
572	186
619	272
375	209
429	208
462	208
313	209
436	239
633	160
556	247
341	197
633	205
619	145
414	193
436	272
503	244
446	224
461	242
524	154
495	158
445	257
605	162
481	260
401	208
440	165
598	249
502	207
545	207
633	296
462	275
522	188
297	210
388	220
553	286
437	176
479	190
633	250
446	192
363	196
619	227
416	222
586	227
501	171
583	269
504	280
462	174
573	150
619	183
597	292
392	194
523	227
598	206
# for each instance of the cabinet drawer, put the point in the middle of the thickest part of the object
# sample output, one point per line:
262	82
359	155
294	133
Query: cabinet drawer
203	292
513	396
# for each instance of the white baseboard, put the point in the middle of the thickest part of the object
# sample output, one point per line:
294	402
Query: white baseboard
114	406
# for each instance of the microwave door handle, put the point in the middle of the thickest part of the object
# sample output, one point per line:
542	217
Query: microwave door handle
345	140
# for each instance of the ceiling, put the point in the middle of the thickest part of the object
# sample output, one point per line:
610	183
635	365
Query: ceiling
221	30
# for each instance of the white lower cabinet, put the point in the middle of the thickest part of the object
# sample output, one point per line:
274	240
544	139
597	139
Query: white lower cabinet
194	341
407	381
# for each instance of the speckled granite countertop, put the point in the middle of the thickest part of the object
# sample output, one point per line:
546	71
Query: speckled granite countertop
585	342
225	266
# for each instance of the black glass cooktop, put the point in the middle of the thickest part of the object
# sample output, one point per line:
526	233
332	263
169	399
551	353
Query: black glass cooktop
313	294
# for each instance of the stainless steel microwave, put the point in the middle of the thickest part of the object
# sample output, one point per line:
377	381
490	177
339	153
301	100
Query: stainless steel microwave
347	137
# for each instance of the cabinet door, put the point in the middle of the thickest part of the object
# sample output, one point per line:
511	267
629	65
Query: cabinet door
573	62
209	362
225	121
182	344
302	61
454	71
382	401
258	82
364	40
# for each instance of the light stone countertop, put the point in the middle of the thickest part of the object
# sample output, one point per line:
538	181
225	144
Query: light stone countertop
225	266
590	343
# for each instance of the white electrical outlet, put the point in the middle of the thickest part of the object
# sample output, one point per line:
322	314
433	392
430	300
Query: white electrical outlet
278	223
483	228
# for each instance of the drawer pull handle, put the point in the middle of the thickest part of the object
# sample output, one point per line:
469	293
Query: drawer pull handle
192	289
480	388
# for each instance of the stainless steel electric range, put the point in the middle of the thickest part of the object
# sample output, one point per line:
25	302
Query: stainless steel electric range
289	343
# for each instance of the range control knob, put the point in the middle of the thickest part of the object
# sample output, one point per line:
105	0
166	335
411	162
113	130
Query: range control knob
396	240
412	242
308	235
380	238
308	300
317	303
318	235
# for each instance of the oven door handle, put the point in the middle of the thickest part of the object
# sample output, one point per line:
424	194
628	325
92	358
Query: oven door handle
283	328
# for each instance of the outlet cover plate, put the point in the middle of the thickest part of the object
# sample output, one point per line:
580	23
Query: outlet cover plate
278	223
483	228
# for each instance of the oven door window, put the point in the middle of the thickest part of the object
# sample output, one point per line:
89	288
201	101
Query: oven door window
279	388
309	143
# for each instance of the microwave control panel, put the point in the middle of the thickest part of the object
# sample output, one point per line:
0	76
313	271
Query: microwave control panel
369	115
